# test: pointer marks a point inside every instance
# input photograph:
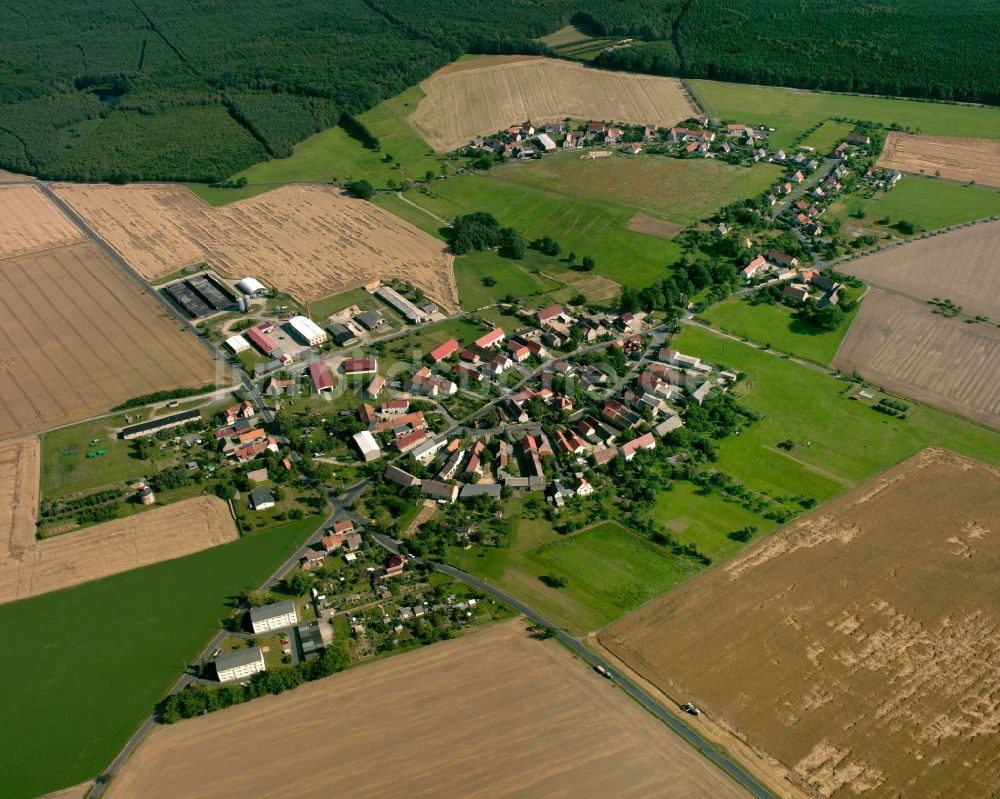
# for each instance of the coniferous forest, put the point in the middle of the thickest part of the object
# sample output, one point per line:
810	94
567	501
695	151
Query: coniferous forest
172	89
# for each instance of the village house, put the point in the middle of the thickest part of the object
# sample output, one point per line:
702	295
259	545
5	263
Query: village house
628	450
757	265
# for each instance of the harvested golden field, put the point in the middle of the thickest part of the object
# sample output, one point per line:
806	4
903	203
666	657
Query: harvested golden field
492	714
901	345
116	546
482	96
19	472
78	337
311	241
860	645
31	222
960	265
649	226
955	158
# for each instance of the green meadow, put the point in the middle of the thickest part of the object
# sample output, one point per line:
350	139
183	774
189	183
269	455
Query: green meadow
791	112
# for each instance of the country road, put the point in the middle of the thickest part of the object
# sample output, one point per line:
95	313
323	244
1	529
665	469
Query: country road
592	658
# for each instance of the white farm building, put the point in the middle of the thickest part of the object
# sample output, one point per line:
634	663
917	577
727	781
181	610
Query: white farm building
237	343
367	446
252	286
306	329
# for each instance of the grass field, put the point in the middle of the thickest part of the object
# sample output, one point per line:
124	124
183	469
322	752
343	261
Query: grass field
217	196
827	135
677	190
332	154
418	215
793	111
512	278
584	226
927	202
839	443
777	327
609	570
704	520
93	660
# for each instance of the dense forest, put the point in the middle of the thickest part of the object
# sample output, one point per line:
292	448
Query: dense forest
172	89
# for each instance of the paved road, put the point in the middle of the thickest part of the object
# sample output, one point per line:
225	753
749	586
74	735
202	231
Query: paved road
585	653
828	165
339	511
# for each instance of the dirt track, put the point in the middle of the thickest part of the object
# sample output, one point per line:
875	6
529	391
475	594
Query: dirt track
19	476
311	241
960	265
120	545
898	343
859	645
28	221
77	337
480	97
955	158
493	714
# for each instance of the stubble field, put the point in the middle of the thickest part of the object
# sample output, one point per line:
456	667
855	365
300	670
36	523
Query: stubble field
901	345
311	241
482	96
959	265
31	222
116	546
19	471
78	337
858	646
955	158
491	714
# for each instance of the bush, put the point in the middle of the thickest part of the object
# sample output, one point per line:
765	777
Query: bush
361	189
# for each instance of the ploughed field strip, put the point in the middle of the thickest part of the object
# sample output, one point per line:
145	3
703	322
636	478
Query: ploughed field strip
898	343
857	646
79	337
960	265
947	157
28	221
496	714
311	241
181	529
489	94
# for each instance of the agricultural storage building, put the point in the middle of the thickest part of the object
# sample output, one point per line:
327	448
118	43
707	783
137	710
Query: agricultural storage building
359	366
370	320
252	286
320	374
367	446
163	423
261	340
400	303
342	334
240	665
210	291
307	330
237	344
276	616
193	305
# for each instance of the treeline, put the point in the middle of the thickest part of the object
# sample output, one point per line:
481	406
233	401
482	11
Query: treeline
169	91
162	396
916	48
197	698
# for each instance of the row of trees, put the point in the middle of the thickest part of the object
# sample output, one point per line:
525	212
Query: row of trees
197	698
